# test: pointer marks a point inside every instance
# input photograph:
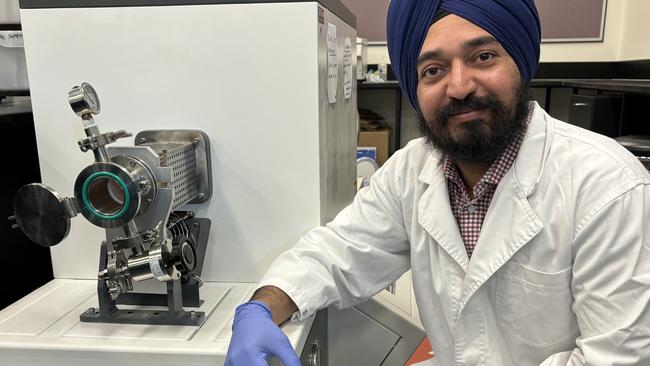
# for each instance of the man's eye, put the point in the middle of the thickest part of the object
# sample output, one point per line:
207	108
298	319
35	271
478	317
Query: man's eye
485	56
430	72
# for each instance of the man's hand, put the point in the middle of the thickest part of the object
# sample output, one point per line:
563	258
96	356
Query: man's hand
255	337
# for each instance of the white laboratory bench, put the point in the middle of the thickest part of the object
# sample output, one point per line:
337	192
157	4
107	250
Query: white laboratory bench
43	328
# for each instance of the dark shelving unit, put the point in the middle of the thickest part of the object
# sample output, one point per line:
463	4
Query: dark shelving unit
391	85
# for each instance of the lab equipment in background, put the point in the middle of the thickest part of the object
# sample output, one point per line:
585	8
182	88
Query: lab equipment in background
366	152
133	193
366	167
639	146
382	70
362	58
598	113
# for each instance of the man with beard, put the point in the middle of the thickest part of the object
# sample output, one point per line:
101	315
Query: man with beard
527	237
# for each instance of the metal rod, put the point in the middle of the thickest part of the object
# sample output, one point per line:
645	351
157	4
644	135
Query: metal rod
91	129
131	231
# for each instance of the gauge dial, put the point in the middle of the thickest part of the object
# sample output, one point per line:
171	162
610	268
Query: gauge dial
84	100
90	97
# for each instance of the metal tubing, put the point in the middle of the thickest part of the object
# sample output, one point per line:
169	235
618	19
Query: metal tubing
131	231
139	268
100	152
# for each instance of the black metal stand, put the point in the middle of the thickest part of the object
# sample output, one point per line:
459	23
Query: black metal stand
182	292
175	315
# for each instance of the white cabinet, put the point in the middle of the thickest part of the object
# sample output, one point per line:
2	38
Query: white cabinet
400	299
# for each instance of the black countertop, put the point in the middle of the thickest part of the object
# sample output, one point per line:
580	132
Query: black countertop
640	86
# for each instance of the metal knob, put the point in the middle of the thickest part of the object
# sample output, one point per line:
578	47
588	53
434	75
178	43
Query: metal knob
314	358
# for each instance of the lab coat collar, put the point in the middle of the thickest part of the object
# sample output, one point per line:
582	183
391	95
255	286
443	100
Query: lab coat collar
434	209
432	167
534	150
509	225
436	217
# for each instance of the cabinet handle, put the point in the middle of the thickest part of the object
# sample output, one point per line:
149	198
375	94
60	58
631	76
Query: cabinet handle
580	104
314	354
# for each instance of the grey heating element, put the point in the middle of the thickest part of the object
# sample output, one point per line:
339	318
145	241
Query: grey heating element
180	157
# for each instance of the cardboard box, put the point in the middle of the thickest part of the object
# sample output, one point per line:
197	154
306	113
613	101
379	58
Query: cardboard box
379	139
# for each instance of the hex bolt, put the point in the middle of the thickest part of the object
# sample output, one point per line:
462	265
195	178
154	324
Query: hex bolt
142	140
193	314
201	196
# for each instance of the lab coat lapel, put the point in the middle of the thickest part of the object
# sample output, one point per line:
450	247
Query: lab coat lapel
436	217
509	225
510	222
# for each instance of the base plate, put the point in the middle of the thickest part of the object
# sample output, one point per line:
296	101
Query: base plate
141	316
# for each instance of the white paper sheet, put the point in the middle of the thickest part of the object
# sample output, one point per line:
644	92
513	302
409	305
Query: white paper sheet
347	68
332	64
11	39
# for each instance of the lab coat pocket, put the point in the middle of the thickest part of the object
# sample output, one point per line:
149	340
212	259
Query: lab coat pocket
534	307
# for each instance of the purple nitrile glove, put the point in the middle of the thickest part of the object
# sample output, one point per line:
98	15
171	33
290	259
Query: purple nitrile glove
255	337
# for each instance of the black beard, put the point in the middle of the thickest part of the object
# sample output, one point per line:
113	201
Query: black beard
479	140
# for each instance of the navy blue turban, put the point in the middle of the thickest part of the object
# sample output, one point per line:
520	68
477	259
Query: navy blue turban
514	23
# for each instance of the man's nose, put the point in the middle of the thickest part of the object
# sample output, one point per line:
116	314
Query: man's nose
461	82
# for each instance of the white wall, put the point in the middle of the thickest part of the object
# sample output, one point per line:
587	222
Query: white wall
378	54
627	37
607	50
635	31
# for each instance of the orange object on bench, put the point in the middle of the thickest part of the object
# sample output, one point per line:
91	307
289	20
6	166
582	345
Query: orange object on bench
422	353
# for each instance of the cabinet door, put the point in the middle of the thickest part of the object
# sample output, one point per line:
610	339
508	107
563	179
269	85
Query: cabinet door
358	340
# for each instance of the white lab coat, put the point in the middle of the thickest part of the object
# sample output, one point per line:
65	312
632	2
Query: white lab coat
560	274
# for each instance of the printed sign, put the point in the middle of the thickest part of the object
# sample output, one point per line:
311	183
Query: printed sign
332	64
347	68
11	39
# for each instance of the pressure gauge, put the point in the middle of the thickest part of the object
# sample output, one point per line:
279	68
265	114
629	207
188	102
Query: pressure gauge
84	100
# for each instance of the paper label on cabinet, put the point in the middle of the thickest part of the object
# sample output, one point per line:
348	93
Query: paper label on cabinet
12	39
332	64
347	68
